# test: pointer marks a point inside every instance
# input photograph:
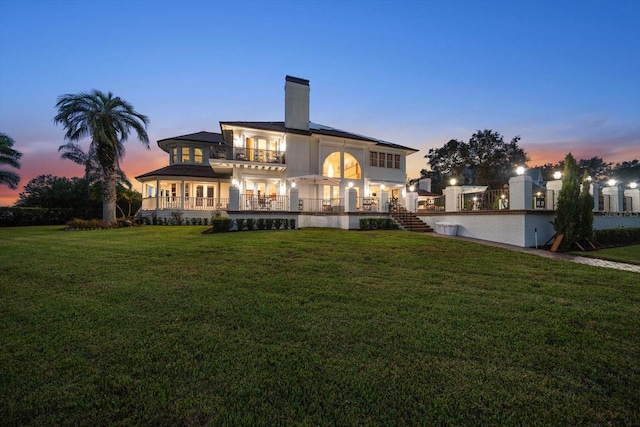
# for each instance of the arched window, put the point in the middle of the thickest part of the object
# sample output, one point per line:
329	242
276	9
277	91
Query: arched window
331	167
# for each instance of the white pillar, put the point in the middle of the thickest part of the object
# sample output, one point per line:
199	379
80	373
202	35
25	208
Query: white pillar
555	186
350	200
451	195
615	194
384	201
634	195
520	192
294	200
234	198
411	201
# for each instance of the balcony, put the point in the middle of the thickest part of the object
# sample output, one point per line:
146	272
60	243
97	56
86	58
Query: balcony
251	155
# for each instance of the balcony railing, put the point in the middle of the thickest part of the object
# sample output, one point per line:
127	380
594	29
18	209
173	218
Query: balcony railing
321	205
247	155
264	203
185	203
485	201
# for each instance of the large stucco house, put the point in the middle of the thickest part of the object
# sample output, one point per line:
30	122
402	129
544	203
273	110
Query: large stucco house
259	163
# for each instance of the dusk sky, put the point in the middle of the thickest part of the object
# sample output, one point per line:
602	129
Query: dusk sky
564	75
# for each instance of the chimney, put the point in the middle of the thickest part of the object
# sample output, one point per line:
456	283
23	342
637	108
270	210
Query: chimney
296	103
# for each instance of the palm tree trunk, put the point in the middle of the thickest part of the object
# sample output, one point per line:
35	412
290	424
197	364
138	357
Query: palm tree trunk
109	195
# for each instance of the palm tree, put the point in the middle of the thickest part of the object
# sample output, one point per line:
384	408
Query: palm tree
9	156
108	121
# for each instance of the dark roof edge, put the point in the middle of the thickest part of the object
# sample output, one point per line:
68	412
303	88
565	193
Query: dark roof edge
297	80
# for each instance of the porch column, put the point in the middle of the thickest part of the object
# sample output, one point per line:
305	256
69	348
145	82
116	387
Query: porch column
634	194
520	192
157	193
555	186
615	194
234	198
451	195
350	200
182	198
384	201
411	201
294	200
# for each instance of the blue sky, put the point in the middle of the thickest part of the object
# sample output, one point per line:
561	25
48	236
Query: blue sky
564	75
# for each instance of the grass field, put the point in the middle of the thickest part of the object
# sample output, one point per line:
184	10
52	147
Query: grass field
626	254
165	326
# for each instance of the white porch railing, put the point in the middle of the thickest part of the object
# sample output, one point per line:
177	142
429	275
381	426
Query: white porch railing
184	203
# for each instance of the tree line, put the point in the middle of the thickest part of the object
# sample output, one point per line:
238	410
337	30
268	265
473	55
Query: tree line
487	159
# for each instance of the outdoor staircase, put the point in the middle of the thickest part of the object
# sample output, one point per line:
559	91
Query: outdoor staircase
408	220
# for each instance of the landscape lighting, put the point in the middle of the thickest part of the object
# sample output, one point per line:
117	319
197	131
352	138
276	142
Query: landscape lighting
520	170
612	182
453	181
557	175
633	185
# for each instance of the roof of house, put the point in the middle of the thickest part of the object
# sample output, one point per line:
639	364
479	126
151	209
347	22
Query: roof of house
204	136
317	129
200	171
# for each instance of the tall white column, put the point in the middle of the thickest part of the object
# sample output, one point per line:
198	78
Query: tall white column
520	192
294	200
634	195
451	195
555	186
350	200
615	194
411	201
234	198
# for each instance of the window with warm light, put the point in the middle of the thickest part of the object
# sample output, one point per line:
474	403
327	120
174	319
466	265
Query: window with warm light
197	155
174	155
331	167
184	158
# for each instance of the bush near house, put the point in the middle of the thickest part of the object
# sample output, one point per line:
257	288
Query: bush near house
378	224
19	216
618	236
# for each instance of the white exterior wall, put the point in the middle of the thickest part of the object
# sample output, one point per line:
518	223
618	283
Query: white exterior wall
513	229
298	156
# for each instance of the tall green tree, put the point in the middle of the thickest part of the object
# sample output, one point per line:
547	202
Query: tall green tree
9	157
108	121
486	159
568	208
584	228
48	191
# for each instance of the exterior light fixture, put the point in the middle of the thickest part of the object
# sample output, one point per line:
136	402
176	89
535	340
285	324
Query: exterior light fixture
633	185
502	196
293	184
412	188
612	182
475	199
234	182
557	175
382	187
589	179
350	185
453	181
520	170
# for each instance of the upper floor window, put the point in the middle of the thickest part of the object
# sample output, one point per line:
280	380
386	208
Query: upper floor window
197	155
332	167
373	158
184	158
384	160
174	155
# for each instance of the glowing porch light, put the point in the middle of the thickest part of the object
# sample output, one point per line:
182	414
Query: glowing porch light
234	182
293	184
612	182
350	184
412	188
633	185
520	170
453	181
381	187
557	175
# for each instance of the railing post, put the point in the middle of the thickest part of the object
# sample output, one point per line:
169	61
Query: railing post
555	186
634	195
451	195
616	194
520	192
294	200
234	198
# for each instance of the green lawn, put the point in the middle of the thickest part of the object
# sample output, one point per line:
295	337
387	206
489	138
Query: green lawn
164	326
627	254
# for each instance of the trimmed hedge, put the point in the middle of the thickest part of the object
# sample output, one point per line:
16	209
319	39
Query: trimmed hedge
19	216
378	224
618	236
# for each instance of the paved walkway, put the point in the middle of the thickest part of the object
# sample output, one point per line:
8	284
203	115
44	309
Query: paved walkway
553	255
